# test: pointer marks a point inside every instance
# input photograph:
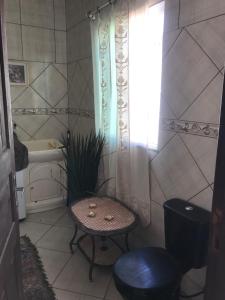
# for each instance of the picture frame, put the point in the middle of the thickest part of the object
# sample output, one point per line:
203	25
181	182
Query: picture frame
18	73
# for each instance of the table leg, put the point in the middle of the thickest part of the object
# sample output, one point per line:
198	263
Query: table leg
92	259
73	238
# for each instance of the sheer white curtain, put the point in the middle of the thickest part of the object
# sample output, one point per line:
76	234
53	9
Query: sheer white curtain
122	111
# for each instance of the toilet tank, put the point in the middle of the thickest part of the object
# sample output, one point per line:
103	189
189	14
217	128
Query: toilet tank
187	233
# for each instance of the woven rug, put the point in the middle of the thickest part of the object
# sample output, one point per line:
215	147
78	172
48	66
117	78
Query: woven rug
36	286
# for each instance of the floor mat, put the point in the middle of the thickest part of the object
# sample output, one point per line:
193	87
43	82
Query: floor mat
36	286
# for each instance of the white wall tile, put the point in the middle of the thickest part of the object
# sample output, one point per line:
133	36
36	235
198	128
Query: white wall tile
60	40
51	85
204	151
60	14
156	192
38	44
208	105
51	129
177	172
14	42
171	15
211	36
37	13
16	91
186	72
29	99
12	8
35	69
204	199
30	123
192	11
169	39
62	68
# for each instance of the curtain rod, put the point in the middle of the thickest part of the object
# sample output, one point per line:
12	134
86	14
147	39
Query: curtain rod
91	14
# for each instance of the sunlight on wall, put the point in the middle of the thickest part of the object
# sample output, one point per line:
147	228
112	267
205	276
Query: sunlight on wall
145	59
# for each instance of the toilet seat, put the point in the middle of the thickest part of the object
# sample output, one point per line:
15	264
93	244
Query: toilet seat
147	273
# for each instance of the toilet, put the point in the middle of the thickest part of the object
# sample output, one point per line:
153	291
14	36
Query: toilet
155	273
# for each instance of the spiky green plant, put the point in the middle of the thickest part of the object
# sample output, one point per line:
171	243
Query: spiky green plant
82	155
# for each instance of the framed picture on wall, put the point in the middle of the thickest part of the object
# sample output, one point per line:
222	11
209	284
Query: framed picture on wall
18	73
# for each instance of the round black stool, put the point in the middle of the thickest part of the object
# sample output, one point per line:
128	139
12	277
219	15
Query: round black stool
147	274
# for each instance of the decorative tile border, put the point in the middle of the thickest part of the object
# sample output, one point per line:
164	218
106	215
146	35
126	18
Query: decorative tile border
82	113
181	126
53	111
39	111
190	127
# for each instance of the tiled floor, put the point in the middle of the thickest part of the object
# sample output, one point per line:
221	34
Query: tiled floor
68	274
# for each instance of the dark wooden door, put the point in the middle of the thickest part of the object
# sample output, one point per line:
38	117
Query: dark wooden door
215	282
10	268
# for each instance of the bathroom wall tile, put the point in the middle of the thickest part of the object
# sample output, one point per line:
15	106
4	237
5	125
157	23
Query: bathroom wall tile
185	63
77	87
176	171
78	41
60	14
154	234
29	99
171	21
51	129
74	12
16	91
72	44
192	11
14	42
38	44
204	199
37	13
204	151
156	192
63	103
81	124
208	102
22	135
30	123
208	34
62	68
52	86
169	39
35	69
63	118
12	8
60	40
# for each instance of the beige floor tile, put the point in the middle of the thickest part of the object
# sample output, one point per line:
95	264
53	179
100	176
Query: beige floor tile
33	230
65	220
57	238
74	278
112	293
64	295
53	262
47	217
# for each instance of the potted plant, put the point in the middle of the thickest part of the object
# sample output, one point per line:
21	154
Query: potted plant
82	155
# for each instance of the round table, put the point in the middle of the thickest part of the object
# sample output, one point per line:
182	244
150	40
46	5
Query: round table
123	221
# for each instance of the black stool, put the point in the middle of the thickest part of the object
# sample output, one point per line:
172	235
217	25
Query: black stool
147	274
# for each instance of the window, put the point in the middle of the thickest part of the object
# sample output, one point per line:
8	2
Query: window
145	72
